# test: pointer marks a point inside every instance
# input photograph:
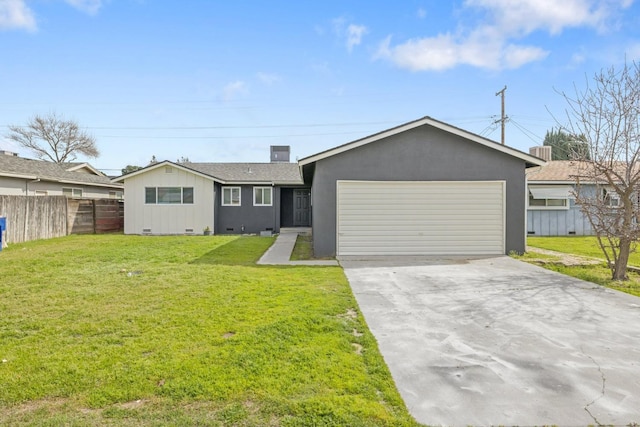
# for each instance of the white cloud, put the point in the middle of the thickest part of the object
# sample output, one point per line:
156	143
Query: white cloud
268	79
494	42
515	56
234	89
422	13
482	49
15	14
354	35
525	16
351	33
88	6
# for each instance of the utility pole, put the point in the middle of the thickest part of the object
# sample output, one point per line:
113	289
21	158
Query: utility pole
503	118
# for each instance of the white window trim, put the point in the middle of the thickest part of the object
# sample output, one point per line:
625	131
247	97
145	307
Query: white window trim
157	203
549	208
73	190
255	189
116	194
222	203
612	196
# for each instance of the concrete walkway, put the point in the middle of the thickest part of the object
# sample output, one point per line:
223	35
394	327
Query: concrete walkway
280	252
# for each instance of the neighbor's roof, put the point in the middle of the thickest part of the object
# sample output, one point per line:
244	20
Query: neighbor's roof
567	171
18	167
529	159
554	171
234	173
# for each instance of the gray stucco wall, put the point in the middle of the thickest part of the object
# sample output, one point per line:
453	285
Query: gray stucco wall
421	154
254	219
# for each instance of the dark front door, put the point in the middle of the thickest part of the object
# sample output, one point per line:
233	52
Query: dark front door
301	208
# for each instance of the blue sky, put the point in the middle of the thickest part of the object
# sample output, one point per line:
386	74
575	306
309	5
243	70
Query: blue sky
222	81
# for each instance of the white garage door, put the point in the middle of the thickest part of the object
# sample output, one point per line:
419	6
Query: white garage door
420	218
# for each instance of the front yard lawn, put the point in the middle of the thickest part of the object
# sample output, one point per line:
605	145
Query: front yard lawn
586	246
579	245
140	330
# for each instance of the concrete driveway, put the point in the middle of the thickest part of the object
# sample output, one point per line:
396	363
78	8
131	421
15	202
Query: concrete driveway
495	341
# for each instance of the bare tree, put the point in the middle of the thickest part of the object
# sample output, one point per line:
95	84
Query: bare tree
54	138
606	115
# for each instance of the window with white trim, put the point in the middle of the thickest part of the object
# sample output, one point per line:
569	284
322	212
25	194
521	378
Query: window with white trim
262	196
231	196
168	195
115	195
610	198
549	196
549	203
72	192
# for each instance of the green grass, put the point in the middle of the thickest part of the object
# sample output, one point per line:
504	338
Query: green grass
578	245
584	246
303	249
140	330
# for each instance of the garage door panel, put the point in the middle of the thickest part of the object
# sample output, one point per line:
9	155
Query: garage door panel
420	218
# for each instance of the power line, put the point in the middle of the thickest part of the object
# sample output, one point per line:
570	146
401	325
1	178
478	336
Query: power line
232	137
526	132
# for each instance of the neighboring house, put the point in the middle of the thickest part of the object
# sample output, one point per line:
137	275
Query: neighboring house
422	188
29	177
551	205
227	198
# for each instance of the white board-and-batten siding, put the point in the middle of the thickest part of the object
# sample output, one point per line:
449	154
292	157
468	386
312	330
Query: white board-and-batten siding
421	218
142	218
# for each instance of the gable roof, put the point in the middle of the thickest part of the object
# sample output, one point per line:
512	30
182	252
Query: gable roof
81	167
18	167
234	173
530	160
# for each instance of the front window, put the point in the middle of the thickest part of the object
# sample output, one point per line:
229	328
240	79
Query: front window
551	203
549	196
231	196
168	195
610	198
150	195
72	192
187	195
262	196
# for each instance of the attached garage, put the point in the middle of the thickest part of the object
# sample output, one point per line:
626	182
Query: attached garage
422	188
420	218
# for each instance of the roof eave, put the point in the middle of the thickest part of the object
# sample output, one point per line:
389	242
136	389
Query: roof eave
17	175
86	166
530	161
90	184
149	168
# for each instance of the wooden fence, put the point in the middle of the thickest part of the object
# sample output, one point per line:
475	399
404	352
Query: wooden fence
44	217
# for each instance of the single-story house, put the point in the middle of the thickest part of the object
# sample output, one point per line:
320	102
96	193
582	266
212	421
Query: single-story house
29	177
225	198
551	205
421	188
